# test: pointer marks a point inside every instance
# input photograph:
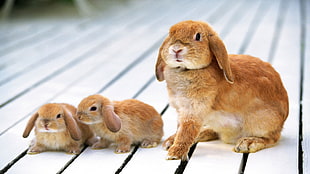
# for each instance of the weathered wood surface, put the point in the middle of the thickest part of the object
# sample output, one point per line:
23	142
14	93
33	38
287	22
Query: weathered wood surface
114	54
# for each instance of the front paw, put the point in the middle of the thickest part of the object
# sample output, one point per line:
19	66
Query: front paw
148	144
178	152
250	145
100	145
35	150
122	149
73	151
168	142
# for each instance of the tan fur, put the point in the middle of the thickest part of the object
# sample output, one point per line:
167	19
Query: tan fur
238	98
60	134
140	123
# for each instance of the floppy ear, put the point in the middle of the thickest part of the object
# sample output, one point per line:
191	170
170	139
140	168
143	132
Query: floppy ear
160	64
111	119
72	126
218	49
30	124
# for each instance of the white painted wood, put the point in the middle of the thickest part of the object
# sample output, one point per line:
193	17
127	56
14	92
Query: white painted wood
22	43
214	157
240	25
306	94
283	157
106	62
41	53
260	44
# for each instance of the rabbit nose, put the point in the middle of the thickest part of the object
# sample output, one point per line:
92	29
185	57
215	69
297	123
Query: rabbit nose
45	121
177	51
79	115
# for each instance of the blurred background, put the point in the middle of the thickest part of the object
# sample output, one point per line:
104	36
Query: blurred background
12	10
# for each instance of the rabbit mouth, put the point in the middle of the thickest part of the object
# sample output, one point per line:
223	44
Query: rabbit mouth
178	60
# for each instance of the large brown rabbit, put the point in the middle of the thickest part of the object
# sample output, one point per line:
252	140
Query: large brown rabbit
56	129
236	98
124	122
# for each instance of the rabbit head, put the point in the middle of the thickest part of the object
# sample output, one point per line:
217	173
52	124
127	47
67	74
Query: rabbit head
52	118
192	45
98	109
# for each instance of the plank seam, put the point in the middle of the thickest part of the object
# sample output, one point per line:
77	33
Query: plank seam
15	160
278	29
301	82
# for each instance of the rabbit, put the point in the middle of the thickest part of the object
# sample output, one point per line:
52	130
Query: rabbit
238	99
56	129
123	123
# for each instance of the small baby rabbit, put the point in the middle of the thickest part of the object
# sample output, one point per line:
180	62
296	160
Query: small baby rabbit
237	98
56	129
124	122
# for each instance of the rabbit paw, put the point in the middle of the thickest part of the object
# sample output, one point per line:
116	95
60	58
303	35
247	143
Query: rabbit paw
168	142
178	153
35	150
148	144
250	145
122	149
100	145
73	151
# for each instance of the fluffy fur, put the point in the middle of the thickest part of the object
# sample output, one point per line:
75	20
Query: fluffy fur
56	129
124	122
237	98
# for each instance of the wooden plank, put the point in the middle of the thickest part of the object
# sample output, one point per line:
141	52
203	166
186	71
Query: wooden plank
233	35
283	157
9	33
23	43
18	62
306	89
65	88
262	40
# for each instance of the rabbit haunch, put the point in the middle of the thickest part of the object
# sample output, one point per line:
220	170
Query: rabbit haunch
237	98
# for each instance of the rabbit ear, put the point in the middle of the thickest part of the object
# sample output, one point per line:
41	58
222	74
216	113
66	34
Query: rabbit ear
218	49
111	119
160	64
72	126
30	124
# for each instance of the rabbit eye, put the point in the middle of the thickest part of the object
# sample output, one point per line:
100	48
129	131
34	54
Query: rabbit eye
198	37
58	116
94	108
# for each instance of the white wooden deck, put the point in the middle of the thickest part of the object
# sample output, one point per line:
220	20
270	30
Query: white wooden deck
114	54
